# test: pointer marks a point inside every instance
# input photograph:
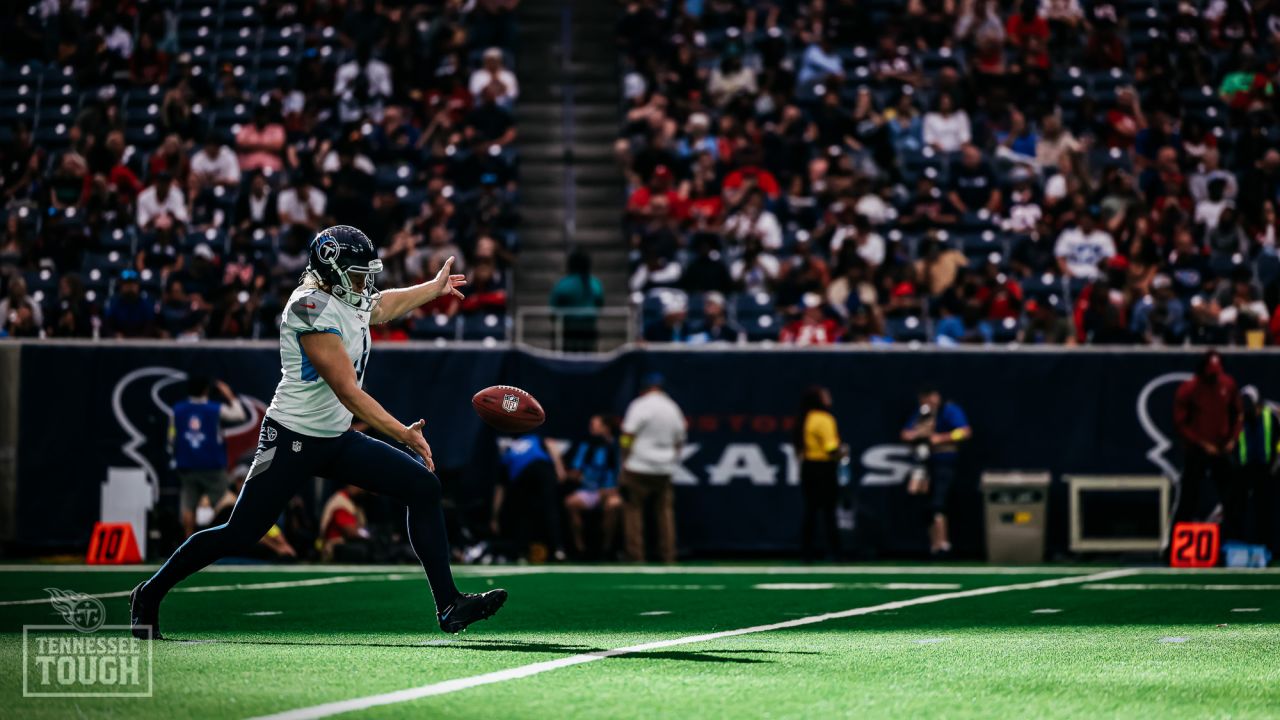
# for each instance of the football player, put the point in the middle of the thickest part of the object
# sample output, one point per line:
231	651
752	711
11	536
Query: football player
324	354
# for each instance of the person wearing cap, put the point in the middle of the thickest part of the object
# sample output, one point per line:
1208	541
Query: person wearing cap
653	438
1046	324
1207	417
715	326
813	327
1080	250
492	74
1249	498
1159	317
162	205
130	313
674	325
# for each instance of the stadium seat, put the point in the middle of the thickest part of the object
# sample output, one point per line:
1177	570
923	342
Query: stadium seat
484	327
435	327
906	329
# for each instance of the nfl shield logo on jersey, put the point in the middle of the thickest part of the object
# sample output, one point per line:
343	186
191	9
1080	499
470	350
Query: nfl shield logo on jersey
510	402
297	446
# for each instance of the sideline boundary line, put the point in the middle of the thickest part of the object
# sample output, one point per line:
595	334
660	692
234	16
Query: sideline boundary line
280	585
523	671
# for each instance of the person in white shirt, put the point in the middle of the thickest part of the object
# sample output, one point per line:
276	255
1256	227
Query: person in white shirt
362	86
302	204
946	129
1081	249
214	165
162	205
754	220
653	437
492	72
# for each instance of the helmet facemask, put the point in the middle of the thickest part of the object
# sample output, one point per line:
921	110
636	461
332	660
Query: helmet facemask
357	288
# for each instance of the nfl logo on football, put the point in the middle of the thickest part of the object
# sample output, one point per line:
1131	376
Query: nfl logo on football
510	402
83	657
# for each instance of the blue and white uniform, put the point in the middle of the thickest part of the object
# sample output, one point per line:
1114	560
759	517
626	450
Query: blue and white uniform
303	401
307	433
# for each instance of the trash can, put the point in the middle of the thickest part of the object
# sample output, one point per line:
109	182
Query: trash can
1015	510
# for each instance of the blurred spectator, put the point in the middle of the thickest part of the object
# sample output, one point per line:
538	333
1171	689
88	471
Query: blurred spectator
1082	249
130	313
817	442
258	207
1207	417
260	142
813	327
715	325
577	298
492	75
196	440
525	513
362	85
303	204
18	301
592	464
936	430
215	165
653	438
344	528
162	206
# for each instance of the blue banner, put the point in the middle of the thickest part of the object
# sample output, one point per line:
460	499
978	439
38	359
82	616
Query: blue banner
88	407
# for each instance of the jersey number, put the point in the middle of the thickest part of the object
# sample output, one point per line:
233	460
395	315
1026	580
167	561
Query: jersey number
364	358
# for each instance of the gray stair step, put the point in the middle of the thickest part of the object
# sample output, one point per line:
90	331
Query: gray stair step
528	110
558	151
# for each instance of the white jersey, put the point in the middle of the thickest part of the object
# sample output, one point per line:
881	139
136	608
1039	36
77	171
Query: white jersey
303	402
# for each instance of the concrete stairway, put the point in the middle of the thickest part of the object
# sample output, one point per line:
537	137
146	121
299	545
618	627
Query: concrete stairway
572	192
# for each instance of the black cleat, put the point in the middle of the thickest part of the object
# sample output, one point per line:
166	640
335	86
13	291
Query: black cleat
144	616
469	608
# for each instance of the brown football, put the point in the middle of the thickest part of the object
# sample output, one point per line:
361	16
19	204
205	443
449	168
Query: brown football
508	409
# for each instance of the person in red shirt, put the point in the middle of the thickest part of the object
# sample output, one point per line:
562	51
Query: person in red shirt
813	327
342	520
1207	417
640	203
1027	23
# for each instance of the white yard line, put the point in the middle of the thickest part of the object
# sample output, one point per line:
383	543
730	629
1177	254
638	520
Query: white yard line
858	586
284	584
516	673
1176	586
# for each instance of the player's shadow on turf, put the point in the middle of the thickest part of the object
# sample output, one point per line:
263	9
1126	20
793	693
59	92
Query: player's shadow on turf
534	647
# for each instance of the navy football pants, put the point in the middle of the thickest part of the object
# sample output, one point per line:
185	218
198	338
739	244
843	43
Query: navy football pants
285	460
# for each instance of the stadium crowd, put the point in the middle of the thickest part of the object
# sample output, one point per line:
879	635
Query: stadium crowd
958	171
164	165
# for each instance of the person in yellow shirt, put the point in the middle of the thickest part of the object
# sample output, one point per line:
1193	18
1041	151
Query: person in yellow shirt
817	443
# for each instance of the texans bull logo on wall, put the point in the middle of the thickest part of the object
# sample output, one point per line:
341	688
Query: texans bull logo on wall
142	403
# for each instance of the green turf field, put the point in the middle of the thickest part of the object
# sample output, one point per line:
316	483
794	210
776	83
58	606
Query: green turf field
874	641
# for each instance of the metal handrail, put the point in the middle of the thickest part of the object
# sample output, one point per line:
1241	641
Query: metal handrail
557	317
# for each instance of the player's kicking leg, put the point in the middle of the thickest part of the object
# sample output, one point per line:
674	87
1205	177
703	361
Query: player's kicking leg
275	476
386	470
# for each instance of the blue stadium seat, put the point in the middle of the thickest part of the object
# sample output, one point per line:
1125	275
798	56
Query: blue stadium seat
484	327
1268	268
435	327
906	329
761	327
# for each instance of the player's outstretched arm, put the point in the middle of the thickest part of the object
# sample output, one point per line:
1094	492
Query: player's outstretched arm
399	301
330	360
